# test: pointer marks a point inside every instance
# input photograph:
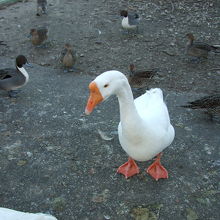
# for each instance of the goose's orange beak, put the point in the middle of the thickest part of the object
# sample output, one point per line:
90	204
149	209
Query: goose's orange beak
94	99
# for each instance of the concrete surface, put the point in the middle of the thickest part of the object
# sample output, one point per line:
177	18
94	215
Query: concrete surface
52	158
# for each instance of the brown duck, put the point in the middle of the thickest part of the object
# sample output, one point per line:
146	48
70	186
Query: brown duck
38	36
137	79
198	49
68	56
209	103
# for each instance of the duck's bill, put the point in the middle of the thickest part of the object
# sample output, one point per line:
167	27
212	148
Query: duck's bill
29	65
94	99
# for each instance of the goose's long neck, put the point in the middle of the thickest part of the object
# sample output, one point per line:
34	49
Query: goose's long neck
128	112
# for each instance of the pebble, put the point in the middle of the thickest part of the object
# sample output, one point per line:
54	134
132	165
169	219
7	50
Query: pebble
29	154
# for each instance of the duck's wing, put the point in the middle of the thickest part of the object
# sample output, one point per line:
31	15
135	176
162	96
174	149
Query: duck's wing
6	73
212	101
145	74
203	46
74	55
62	54
43	32
133	19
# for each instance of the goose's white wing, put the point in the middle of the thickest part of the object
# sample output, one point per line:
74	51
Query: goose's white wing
9	214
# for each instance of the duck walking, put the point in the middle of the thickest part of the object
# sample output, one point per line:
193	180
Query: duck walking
198	49
144	129
12	79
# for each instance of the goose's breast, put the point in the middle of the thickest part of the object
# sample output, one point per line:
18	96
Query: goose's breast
145	147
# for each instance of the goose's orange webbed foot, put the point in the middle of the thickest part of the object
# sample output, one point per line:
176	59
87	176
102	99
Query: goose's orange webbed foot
156	170
129	168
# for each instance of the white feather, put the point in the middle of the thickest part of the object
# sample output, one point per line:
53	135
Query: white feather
9	214
144	129
25	74
125	24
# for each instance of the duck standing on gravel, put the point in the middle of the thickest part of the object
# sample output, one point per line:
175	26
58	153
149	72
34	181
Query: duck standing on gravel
68	56
199	49
12	79
129	21
38	36
144	130
137	79
209	103
41	7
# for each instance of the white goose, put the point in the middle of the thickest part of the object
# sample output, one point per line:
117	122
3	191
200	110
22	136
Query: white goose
10	214
144	130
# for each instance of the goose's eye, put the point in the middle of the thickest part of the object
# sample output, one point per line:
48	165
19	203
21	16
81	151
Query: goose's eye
106	85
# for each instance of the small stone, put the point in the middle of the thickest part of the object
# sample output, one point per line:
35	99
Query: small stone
98	42
59	204
21	162
49	148
179	124
107	217
29	154
188	129
141	213
11	157
102	197
191	214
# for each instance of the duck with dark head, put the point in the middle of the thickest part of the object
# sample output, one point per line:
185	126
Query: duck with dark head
129	21
13	79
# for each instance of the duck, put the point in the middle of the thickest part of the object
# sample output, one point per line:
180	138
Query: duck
211	105
198	49
144	129
137	79
39	35
12	79
129	21
41	7
68	56
10	214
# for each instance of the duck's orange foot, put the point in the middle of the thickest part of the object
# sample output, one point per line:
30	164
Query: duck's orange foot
129	168
156	170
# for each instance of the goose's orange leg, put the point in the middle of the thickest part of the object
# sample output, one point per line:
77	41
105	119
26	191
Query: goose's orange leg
129	168
156	170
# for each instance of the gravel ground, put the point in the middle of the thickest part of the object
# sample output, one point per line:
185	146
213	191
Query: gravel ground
52	158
